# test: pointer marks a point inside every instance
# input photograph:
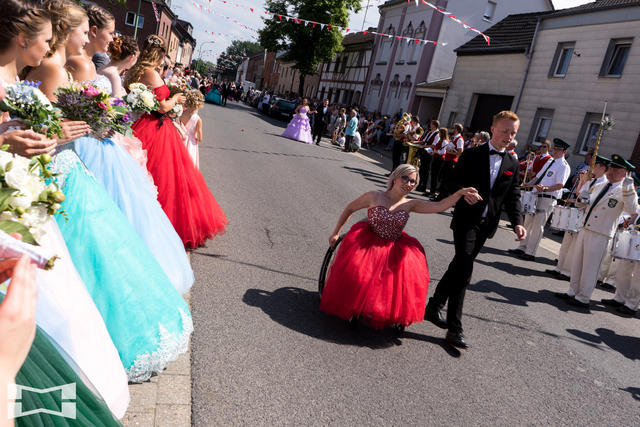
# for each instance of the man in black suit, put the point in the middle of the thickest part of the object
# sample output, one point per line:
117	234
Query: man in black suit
320	120
494	173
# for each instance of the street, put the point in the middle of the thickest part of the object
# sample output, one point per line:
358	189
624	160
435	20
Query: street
263	354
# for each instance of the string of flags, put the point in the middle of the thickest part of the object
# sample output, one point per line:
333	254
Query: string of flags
448	14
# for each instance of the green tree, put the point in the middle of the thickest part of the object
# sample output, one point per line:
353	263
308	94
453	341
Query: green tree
237	48
306	45
203	66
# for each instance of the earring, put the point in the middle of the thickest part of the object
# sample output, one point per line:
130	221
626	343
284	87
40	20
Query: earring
25	47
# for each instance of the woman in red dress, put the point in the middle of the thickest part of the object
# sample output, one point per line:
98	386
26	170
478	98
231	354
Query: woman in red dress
380	273
182	191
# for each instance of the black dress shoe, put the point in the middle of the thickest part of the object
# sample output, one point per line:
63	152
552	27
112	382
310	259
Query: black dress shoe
554	273
607	286
562	295
456	339
575	303
612	303
626	310
516	251
563	277
434	316
527	257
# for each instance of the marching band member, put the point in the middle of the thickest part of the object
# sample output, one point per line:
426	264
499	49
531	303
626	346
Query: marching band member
438	160
627	297
606	202
426	154
565	256
548	185
453	150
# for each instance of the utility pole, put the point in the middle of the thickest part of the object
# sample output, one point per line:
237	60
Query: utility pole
366	10
135	21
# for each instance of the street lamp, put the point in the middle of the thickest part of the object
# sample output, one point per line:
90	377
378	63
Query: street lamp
200	50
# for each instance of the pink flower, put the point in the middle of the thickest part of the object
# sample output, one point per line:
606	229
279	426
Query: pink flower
103	105
91	91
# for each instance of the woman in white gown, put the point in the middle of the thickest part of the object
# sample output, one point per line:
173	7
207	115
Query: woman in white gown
65	310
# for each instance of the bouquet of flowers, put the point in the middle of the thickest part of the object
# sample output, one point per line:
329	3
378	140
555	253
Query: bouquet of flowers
177	86
25	101
176	111
28	197
84	101
122	116
141	99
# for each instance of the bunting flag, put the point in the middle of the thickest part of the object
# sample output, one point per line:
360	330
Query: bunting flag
155	11
445	13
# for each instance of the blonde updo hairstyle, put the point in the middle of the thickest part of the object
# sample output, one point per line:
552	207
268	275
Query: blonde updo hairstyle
402	170
194	99
153	51
98	16
21	16
122	47
65	17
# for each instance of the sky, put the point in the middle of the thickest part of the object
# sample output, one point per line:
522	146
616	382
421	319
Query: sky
233	19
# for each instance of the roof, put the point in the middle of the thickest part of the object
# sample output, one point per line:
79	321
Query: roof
360	37
511	35
436	84
595	6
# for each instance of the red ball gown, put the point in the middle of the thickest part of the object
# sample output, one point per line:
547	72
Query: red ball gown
380	273
182	191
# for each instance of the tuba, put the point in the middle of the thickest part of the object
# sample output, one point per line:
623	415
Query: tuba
414	138
398	131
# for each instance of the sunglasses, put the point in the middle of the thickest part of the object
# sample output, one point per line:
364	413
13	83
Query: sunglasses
405	179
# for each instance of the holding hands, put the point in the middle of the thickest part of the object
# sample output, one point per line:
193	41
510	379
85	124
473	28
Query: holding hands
470	195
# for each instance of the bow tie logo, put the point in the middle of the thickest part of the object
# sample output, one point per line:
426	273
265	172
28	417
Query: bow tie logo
497	153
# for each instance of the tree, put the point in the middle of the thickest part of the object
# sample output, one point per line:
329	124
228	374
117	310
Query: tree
306	45
202	66
237	48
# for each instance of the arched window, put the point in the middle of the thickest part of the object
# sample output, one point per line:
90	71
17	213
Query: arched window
385	45
415	48
408	32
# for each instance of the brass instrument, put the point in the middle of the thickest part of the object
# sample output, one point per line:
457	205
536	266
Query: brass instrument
414	137
398	130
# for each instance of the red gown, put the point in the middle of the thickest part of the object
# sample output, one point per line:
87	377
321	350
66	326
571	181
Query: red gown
380	273
182	191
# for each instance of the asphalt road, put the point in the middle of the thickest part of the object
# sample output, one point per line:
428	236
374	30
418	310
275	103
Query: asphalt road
263	354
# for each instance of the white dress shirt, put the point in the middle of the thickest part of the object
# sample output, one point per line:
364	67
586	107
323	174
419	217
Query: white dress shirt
495	162
553	174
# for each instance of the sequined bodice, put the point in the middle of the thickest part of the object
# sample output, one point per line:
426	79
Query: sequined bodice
386	224
303	110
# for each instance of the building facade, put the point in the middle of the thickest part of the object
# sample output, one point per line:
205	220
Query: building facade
398	67
342	79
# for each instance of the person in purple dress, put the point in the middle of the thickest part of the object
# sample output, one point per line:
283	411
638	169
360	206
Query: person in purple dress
299	127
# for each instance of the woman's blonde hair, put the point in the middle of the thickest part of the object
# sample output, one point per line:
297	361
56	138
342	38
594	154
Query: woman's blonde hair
65	17
402	170
152	52
194	99
444	134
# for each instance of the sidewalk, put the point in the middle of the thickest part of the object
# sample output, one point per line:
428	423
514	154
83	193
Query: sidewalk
164	400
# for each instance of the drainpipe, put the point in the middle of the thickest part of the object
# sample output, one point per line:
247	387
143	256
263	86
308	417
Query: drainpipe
516	103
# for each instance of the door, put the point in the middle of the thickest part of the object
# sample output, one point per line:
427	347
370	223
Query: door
486	107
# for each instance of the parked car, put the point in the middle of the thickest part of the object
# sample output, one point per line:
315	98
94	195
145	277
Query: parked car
282	109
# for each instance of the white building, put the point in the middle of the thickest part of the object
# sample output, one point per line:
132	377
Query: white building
398	67
576	59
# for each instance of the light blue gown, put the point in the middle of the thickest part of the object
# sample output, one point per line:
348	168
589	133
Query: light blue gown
147	319
128	185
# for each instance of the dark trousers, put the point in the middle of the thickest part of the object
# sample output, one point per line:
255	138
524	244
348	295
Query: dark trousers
446	172
224	99
436	166
467	241
425	168
348	139
317	132
397	154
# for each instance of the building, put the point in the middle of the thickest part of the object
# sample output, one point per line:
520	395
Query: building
255	69
176	33
398	68
342	79
577	59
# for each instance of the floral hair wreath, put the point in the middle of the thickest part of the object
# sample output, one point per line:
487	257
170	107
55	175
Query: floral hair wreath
156	41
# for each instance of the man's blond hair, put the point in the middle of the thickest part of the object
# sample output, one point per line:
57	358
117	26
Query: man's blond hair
506	114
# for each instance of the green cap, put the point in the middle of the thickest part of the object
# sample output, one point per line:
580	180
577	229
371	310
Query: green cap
617	161
602	160
557	142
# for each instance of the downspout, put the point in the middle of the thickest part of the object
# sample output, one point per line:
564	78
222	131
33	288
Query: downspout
516	103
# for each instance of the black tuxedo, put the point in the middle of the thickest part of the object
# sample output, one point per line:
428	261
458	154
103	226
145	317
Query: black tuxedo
320	120
470	228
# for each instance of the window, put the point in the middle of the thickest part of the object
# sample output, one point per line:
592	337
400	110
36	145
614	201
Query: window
615	58
385	45
131	17
589	132
336	67
344	64
561	59
541	125
490	10
360	58
452	119
420	33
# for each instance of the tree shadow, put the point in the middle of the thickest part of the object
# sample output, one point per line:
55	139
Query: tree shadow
260	267
626	345
271	153
377	178
513	269
297	309
635	392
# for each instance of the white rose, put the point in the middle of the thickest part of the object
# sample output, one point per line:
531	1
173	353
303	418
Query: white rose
5	158
147	99
17	177
22	200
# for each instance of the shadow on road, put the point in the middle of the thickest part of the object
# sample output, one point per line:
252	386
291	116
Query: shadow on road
271	153
297	309
627	346
635	392
261	267
377	178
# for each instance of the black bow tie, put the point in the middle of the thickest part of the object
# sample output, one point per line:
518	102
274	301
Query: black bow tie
497	153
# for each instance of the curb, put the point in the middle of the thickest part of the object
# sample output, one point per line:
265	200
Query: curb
164	400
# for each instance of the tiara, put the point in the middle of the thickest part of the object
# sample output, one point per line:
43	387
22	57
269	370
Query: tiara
156	40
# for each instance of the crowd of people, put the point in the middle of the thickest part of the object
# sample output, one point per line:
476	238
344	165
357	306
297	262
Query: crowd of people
110	309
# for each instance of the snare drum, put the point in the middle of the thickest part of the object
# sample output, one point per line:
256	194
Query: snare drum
529	200
626	245
567	218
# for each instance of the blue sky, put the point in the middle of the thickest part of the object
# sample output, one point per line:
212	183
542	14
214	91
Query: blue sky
224	14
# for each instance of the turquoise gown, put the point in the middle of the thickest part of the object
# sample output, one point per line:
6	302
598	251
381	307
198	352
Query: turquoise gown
128	185
147	319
